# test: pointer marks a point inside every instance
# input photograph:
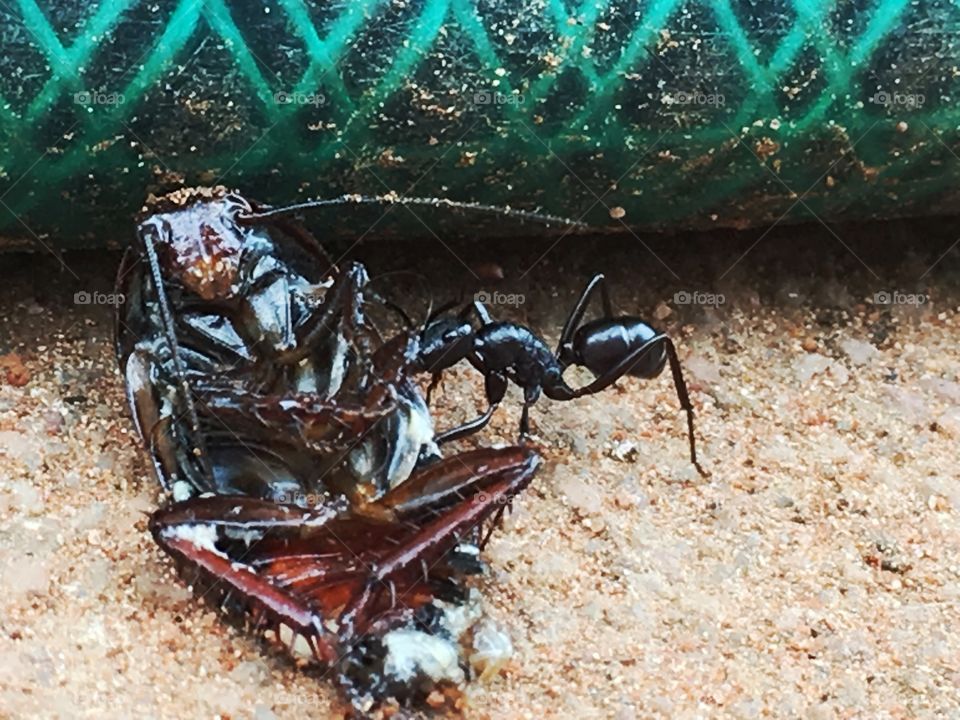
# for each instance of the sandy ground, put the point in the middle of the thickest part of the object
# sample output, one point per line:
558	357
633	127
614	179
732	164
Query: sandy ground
814	575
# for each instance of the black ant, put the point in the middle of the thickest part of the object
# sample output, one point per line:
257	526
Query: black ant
610	347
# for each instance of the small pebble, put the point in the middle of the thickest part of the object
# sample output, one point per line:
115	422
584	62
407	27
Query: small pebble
625	451
585	498
662	311
859	352
949	422
809	365
13	370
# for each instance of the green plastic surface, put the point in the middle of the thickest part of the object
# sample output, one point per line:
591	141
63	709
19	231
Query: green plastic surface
682	114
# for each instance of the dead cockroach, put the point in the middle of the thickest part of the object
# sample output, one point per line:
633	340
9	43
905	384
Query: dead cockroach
308	492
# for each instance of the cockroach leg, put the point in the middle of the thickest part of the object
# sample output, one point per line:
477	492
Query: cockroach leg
317	423
341	309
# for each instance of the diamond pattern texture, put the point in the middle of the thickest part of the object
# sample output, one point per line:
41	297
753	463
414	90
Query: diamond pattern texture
684	114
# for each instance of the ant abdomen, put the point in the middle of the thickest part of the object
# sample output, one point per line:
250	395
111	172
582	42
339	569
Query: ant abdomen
601	345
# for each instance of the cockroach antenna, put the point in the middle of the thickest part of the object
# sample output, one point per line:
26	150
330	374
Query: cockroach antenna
269	214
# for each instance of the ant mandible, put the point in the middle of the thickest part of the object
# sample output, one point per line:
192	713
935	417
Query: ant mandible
610	347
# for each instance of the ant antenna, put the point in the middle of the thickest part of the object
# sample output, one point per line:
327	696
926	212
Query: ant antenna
268	213
389	304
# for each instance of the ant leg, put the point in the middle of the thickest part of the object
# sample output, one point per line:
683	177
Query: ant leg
605	299
530	396
434	383
576	315
684	397
468	428
480	310
496	387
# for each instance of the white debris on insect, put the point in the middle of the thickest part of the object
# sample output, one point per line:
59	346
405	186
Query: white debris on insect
297	643
181	491
247	536
305	379
468	549
201	536
492	649
361	460
487	645
458	618
465	633
338	367
413	652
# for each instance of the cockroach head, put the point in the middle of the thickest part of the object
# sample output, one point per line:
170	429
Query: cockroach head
196	240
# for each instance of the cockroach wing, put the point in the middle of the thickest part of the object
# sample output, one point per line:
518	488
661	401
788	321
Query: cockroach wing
322	577
309	576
